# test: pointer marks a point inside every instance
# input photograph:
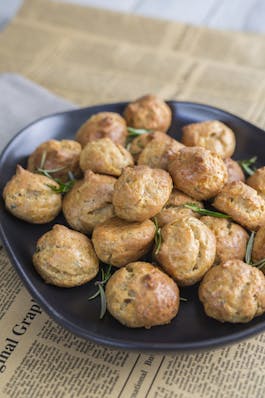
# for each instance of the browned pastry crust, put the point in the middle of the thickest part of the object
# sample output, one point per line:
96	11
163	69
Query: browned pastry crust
148	112
103	125
140	295
28	196
187	250
174	208
89	202
257	181
65	258
141	192
105	157
243	204
213	135
62	155
159	150
235	172
233	292
119	242
198	172
231	238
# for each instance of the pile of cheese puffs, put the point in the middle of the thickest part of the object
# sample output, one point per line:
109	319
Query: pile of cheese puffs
127	191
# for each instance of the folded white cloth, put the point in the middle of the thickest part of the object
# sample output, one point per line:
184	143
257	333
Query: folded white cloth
22	102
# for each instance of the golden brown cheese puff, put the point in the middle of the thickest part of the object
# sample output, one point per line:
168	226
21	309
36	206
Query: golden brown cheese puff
212	135
231	238
258	252
187	250
105	157
235	172
148	112
198	172
257	181
141	192
28	197
242	203
159	151
103	125
55	154
233	292
65	258
89	202
118	242
139	143
174	208
140	295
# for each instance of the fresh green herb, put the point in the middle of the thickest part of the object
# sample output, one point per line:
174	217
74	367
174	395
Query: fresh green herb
158	236
247	165
132	133
105	275
183	299
205	212
249	248
258	264
63	186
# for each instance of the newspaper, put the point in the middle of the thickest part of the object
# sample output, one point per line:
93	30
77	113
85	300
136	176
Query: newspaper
93	56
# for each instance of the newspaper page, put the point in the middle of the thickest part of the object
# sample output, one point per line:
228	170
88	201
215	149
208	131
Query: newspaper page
93	56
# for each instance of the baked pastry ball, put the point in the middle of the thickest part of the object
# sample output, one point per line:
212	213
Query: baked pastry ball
258	251
139	143
187	250
231	238
234	171
103	125
141	192
53	154
28	197
242	203
198	172
119	242
89	202
213	135
233	292
257	181
174	208
148	112
65	258
159	150
140	295
105	157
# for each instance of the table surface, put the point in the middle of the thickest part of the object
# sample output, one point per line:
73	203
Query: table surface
244	15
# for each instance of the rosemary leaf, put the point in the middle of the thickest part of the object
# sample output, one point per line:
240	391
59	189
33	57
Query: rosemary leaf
64	187
132	132
102	301
249	248
158	236
247	165
205	212
101	292
183	299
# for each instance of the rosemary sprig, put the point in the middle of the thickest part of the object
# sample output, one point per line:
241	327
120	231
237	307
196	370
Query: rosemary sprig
205	212
63	186
250	248
248	257
105	275
158	236
132	133
183	299
247	165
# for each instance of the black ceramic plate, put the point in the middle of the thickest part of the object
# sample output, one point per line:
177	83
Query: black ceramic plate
191	329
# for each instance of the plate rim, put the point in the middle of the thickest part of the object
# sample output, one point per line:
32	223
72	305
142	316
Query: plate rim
127	345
